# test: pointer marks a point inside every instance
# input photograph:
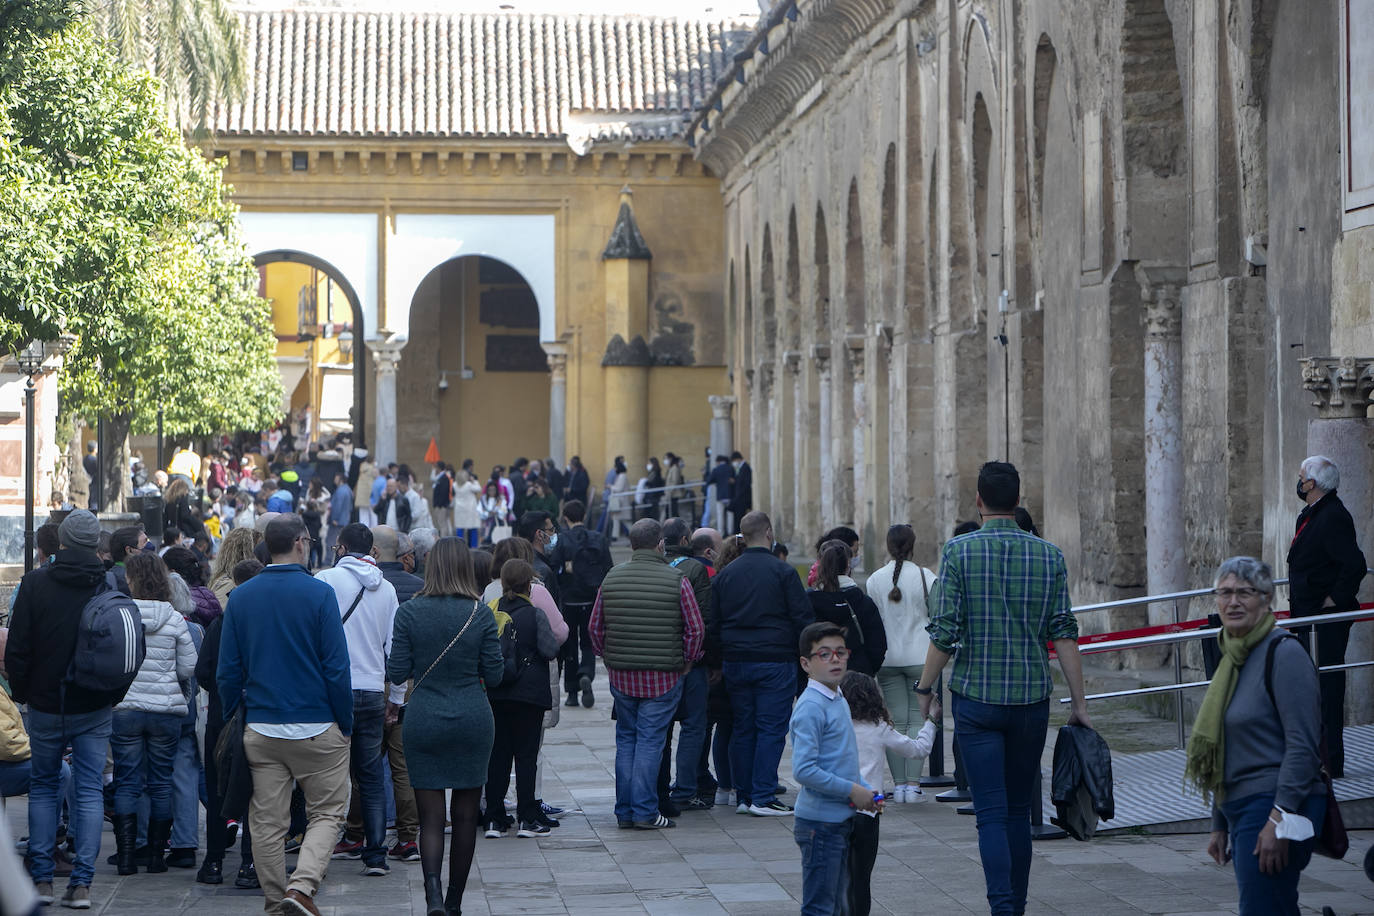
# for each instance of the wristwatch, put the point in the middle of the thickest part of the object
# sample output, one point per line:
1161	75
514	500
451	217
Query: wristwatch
922	691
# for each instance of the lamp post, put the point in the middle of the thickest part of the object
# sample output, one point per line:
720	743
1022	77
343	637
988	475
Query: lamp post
31	364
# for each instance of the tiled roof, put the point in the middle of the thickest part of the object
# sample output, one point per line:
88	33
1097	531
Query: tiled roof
397	74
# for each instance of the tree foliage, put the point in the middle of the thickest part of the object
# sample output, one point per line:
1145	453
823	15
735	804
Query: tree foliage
113	230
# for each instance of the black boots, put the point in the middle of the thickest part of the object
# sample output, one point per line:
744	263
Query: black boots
434	895
126	840
158	832
453	904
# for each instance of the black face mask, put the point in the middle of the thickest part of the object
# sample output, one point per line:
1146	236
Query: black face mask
1302	496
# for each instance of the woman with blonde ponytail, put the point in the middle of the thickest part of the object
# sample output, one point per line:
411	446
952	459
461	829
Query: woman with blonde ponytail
900	589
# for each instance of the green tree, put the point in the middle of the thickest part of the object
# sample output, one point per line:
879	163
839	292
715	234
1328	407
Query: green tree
113	230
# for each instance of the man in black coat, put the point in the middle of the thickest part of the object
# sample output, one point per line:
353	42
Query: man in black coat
742	490
1325	568
720	478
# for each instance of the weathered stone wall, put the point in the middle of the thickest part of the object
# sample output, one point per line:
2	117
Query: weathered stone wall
1162	213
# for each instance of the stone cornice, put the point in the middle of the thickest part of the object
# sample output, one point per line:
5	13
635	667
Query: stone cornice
783	65
430	156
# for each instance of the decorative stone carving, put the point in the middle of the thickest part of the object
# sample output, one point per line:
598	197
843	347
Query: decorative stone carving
1342	384
1164	312
722	406
791	360
557	353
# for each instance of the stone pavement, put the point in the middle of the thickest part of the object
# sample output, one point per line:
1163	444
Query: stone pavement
721	862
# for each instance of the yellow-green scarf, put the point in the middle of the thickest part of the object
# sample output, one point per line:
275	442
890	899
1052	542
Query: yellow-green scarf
1206	767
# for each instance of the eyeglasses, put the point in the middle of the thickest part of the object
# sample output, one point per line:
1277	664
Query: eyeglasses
826	655
1244	594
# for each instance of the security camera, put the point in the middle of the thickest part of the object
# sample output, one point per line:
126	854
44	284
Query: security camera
443	383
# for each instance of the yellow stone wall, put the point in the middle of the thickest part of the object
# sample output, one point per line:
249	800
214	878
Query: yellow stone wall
678	209
282	284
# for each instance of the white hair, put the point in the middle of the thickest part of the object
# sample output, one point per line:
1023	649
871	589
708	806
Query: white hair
1324	471
423	540
1249	570
181	595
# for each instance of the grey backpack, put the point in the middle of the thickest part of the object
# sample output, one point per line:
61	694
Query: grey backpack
109	643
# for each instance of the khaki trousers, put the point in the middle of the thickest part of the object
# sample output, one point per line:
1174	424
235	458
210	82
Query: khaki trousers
320	765
407	815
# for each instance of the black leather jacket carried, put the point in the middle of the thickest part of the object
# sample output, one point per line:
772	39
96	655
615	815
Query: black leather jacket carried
1082	784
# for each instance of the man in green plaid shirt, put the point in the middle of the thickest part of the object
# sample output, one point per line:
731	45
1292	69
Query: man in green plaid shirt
1002	595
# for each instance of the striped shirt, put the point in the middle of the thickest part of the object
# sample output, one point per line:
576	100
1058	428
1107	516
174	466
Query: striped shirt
649	684
1001	596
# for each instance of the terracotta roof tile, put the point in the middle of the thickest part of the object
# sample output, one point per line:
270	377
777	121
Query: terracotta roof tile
369	74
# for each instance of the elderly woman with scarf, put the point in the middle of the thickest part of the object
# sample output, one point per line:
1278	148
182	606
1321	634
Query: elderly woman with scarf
1254	748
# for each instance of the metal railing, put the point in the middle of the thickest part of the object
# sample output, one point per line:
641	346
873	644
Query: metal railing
1166	639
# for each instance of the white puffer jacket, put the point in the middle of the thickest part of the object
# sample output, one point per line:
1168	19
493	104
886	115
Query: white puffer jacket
171	659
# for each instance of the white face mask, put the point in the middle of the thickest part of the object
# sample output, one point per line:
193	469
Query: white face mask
648	467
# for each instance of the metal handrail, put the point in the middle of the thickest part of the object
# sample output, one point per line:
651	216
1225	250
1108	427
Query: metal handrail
1150	599
1177	688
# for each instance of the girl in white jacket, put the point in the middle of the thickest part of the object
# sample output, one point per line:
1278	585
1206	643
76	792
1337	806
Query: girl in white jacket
874	734
146	725
901	589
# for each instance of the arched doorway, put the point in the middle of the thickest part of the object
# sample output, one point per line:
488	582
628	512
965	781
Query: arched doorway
473	374
320	327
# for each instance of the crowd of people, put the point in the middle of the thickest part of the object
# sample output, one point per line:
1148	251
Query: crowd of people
396	638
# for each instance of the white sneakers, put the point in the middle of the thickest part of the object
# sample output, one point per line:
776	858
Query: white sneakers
907	795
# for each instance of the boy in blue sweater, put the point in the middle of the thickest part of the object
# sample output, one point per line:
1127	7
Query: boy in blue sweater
825	760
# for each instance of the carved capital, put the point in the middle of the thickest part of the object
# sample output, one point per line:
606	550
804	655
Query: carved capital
791	359
722	405
1164	313
557	353
386	353
854	343
1342	384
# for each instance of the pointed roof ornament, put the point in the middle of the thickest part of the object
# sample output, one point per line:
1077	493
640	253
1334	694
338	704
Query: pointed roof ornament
626	243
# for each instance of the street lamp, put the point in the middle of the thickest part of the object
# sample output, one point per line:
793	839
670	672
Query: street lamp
30	361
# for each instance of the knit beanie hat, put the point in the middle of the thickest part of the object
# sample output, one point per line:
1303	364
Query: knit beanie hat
79	529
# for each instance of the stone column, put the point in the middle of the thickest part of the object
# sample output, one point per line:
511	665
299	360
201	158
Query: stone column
861	437
794	483
821	354
1344	433
557	353
386	359
1165	534
722	443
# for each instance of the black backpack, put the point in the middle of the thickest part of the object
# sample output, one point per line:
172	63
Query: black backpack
589	566
110	647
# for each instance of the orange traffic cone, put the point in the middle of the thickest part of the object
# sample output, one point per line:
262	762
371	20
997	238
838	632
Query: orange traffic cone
432	453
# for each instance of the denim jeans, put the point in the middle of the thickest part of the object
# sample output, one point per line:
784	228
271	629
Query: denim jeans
1001	748
144	746
691	733
1261	894
641	725
825	866
365	761
186	783
761	694
576	653
89	737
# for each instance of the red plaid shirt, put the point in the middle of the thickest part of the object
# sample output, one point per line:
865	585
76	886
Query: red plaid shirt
650	684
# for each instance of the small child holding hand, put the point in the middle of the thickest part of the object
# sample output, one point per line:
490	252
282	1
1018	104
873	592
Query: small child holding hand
825	761
875	735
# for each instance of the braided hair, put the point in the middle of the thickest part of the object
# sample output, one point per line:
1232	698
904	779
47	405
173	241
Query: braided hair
901	543
834	562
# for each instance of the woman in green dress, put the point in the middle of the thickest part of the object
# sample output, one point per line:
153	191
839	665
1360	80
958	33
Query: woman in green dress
445	640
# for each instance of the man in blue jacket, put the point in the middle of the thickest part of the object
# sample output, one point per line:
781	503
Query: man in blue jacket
285	658
761	610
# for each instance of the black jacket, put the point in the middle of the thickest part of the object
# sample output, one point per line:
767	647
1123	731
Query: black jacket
1082	784
406	584
742	491
531	685
179	515
760	609
695	570
1324	559
577	486
563	555
865	635
42	640
722	475
544	570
